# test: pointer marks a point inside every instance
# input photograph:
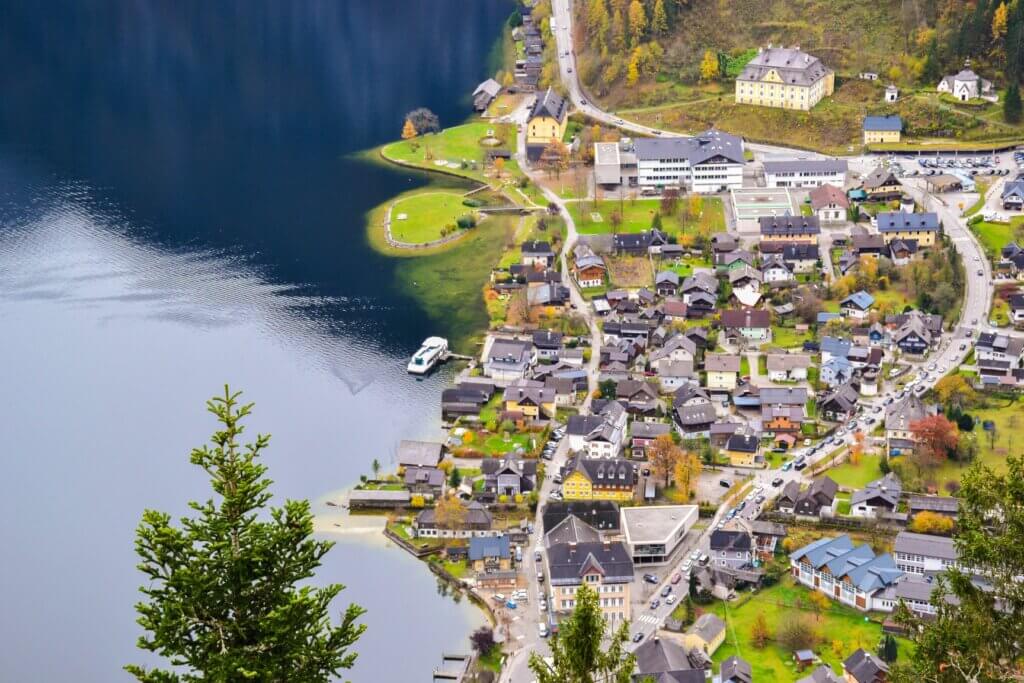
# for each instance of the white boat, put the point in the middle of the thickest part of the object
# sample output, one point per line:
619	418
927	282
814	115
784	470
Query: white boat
427	357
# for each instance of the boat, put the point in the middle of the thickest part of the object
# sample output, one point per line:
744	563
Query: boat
431	352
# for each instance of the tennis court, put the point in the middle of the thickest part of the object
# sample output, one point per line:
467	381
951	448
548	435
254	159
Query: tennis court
751	203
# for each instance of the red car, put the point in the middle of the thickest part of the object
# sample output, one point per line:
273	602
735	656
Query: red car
677	577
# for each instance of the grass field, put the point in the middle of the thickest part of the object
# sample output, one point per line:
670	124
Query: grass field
630	271
994	236
684	267
458	147
856	476
788	337
841	630
427	214
1008	417
596	218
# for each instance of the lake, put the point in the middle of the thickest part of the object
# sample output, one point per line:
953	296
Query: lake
181	207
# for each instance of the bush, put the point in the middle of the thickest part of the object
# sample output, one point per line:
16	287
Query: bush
472	203
797	634
467	221
417	501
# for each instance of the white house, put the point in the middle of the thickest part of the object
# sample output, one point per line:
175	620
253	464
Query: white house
788	367
776	270
857	305
805	172
924	553
709	162
967	85
829	203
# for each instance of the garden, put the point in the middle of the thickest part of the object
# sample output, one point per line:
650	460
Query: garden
429	216
695	215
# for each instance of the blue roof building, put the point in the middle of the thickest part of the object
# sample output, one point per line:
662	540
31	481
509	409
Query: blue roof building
832	347
857	304
489	548
884	124
851	574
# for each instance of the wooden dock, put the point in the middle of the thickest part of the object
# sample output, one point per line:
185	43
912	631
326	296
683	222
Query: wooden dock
454	667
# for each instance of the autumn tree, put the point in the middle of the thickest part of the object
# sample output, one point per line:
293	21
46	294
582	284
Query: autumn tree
819	602
797	633
686	472
857	449
554	158
499	166
449	512
659	21
637	22
936	437
999	21
618	42
424	120
709	66
669	200
229	594
928	522
955	391
663	454
759	633
598	24
695	205
633	70
409	130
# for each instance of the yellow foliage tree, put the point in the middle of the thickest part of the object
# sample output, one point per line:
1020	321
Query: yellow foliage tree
695	205
499	166
633	71
416	501
955	390
446	466
637	21
663	455
708	66
449	512
408	130
999	21
686	472
927	522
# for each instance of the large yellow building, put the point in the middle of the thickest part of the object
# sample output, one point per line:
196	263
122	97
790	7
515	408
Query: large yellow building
548	119
784	77
900	225
882	129
599	479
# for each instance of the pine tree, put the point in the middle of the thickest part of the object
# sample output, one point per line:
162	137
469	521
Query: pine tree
1012	105
930	72
598	24
618	33
408	130
455	478
659	22
223	595
637	22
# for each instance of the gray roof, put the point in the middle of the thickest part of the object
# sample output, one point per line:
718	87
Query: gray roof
865	667
895	221
926	545
689	416
721	362
883	123
568	562
934	503
823	674
711	144
900	414
483	547
661	655
708	626
888	489
650	430
571	530
490	86
787	361
421	453
549	104
735	670
816	166
394	496
730	541
789	225
793	396
794	66
431	476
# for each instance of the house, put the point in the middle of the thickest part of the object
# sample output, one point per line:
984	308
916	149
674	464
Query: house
833	347
801	257
882	129
419	453
766	537
601	433
789	228
653	532
923	553
485	94
735	670
817	500
700	305
776	270
709	162
823	674
852	575
638	397
782	410
784	77
509	360
745	277
878	497
639	243
589	269
835	371
857	305
899	439
602	515
736	258
867	244
913	336
547	295
666	283
425	480
530	399
664	660
692	411
721	369
754	325
1016	303
999	347
547	119
706	634
490	553
536	253
675	374
744	450
698	283
829	203
840	404
940	505
733	549
722	243
788	367
882	185
509	476
604	566
892	93
864	667
900	251
1012	195
476	522
922	227
966	85
643	435
590	478
805	172
548	344
361	499
465	399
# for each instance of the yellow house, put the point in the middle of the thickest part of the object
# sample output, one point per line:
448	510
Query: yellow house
882	129
706	634
882	185
599	479
547	119
530	398
744	451
722	370
786	78
900	225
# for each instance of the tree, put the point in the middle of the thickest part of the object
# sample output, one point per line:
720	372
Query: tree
598	24
857	449
375	466
797	633
637	22
999	21
927	522
935	435
449	512
499	166
887	650
455	478
409	130
954	391
663	453
708	66
607	388
227	591
659	22
695	205
579	651
686	472
554	158
618	32
482	640
932	70
633	70
759	633
669	200
819	603
1012	104
978	635
424	120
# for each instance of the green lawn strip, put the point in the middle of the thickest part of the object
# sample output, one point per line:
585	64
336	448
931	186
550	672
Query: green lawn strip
982	187
994	236
788	338
762	364
856	476
778	604
426	214
637	215
456	146
992	452
744	366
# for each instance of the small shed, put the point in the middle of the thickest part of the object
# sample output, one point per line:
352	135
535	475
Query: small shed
803	659
944	182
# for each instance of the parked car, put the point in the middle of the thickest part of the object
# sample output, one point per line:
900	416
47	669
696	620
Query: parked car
703	559
638	636
695	554
540	577
724	483
665	591
787	466
670	600
542	630
777	482
650	578
677	577
655	603
687	565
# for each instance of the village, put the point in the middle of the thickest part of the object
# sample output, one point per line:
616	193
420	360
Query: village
721	381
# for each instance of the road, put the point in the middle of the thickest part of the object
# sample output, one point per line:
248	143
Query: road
975	308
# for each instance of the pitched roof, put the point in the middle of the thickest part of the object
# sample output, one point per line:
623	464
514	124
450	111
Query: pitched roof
707	627
661	655
880	177
482	547
823	674
889	489
711	144
602	515
815	166
723	540
825	195
742	443
721	362
883	123
793	66
861	300
865	667
568	562
896	221
571	530
900	415
607	471
748	317
421	453
549	104
789	225
784	362
926	545
735	670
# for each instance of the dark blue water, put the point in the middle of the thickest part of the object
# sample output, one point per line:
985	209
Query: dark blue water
179	209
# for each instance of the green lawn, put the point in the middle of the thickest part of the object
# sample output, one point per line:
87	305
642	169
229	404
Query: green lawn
684	267
497	444
788	337
426	214
856	476
994	236
456	150
849	627
744	366
982	187
1008	416
637	216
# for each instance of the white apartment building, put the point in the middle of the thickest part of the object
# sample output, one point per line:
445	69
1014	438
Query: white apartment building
805	172
710	162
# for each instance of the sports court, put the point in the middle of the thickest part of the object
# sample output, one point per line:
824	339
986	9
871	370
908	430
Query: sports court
750	203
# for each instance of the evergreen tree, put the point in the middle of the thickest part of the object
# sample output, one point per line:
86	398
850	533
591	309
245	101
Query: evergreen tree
1012	105
887	651
659	22
931	70
223	596
579	651
598	24
455	478
637	22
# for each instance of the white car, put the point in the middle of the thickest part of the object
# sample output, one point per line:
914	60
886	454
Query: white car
694	555
687	565
671	599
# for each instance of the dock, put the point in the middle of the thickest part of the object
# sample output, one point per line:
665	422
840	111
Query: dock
454	667
448	355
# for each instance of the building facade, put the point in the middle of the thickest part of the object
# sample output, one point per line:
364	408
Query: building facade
786	78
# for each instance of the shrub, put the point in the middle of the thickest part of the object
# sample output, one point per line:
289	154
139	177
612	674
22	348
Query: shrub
467	221
472	203
417	501
797	633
